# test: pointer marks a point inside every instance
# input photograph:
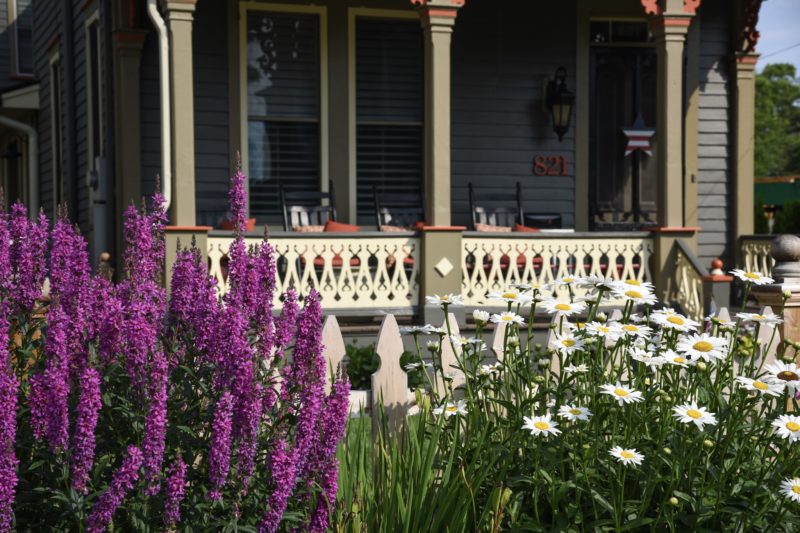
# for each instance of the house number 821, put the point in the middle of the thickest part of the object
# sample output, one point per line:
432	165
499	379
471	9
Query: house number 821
550	165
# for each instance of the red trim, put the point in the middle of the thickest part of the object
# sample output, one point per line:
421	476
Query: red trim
747	59
651	7
690	6
188	228
676	229
444	228
440	12
423	3
136	36
22	77
718	279
671	21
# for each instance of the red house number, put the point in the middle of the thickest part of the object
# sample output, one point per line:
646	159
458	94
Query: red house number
550	165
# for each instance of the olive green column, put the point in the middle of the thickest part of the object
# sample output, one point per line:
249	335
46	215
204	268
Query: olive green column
744	143
441	269
180	15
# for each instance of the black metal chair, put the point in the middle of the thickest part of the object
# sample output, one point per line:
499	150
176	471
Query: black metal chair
402	210
307	208
496	216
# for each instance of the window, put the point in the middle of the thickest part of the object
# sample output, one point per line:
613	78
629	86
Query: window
56	130
389	110
283	105
20	21
93	91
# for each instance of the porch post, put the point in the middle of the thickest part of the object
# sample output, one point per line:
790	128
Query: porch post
179	21
670	29
438	18
743	162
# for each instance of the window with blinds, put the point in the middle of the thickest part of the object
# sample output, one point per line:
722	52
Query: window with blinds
21	24
283	107
389	110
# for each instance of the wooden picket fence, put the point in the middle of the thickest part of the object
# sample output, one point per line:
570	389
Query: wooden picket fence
390	382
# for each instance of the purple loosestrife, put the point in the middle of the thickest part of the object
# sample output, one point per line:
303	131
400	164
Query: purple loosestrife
108	321
265	267
175	490
219	455
155	424
6	275
27	255
283	468
237	198
83	440
122	482
250	421
9	387
286	324
323	462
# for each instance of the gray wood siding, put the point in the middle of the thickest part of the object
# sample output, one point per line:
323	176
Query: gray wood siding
5	49
714	134
502	58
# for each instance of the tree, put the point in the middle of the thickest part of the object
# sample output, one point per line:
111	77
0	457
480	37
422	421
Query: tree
777	121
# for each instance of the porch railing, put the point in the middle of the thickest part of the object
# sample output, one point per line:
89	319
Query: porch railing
687	289
754	253
351	271
491	263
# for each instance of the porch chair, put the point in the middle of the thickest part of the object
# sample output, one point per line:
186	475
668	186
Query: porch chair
307	208
402	211
496	216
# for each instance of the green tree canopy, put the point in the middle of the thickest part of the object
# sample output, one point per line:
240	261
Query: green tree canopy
777	121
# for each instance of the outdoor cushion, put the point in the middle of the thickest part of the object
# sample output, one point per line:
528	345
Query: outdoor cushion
394	228
308	229
492	229
332	225
526	229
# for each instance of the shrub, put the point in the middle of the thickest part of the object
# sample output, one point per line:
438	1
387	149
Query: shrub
129	408
363	361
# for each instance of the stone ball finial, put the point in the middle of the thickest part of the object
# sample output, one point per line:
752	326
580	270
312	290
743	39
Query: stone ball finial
716	267
785	250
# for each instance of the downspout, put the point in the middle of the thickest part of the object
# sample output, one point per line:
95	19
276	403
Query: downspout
166	118
70	178
33	162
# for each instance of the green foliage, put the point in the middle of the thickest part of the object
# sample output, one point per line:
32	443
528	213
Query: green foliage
777	121
362	362
787	220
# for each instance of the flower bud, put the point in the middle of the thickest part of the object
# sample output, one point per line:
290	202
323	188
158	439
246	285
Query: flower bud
586	447
513	341
601	317
787	293
673	501
708	443
667	398
702	366
432	346
538	379
796	345
667	451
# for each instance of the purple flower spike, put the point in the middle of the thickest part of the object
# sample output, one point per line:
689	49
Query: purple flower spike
175	490
89	405
121	483
220	454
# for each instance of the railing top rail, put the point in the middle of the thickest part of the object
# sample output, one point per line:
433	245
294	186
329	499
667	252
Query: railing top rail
317	235
758	237
561	236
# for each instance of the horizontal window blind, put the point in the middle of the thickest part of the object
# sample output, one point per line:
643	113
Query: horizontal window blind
389	111
283	107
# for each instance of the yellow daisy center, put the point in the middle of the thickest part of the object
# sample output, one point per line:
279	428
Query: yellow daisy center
574	412
676	320
788	375
703	346
563	307
679	360
792	426
603	329
507	318
569	343
567	280
621	392
759	317
445	298
796	489
694	413
625	454
634	282
451	409
580	325
633	294
542	426
752	275
510	295
760	385
630	327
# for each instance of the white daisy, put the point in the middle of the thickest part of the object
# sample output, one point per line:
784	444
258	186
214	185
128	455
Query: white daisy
787	427
596	282
786	373
790	487
452	300
626	456
631	283
563	307
610	330
703	346
673	358
768	388
508	318
636	295
643	356
541	425
511	296
566	344
450	409
574	412
756	278
564	281
691	413
487	370
622	393
669	319
770	319
413	366
415	330
572	369
635	330
480	316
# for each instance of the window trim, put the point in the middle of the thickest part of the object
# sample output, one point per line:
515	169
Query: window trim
56	149
353	14
91	150
322	13
13	49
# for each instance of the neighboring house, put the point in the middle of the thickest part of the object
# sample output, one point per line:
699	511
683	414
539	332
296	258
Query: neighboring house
402	96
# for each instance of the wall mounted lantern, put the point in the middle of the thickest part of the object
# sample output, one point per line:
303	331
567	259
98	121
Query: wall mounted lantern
559	101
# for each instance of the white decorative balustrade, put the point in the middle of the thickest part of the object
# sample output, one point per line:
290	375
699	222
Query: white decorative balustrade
754	253
365	270
492	262
687	287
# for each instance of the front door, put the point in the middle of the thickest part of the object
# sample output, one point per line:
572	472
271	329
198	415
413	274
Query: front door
623	184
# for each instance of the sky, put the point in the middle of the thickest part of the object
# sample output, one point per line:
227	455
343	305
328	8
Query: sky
779	26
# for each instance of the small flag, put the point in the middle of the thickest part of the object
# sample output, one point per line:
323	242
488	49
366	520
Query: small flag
638	137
